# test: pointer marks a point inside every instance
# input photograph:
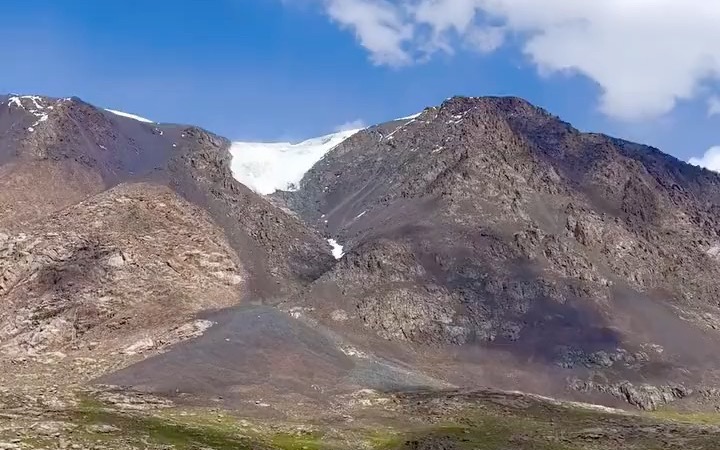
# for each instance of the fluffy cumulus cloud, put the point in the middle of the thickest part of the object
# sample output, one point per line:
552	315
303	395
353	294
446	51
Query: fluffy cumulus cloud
378	25
710	160
645	55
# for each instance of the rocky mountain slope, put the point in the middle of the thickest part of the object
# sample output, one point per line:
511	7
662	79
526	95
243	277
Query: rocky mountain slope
486	243
488	223
150	300
116	232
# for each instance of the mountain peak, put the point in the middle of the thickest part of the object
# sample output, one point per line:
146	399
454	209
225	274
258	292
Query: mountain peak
493	223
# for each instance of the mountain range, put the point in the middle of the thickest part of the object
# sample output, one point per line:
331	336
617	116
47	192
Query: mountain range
479	254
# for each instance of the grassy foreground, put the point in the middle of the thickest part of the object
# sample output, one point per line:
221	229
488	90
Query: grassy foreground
471	421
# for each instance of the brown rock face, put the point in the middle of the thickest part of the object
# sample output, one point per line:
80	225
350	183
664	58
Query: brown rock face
488	221
129	261
115	233
486	242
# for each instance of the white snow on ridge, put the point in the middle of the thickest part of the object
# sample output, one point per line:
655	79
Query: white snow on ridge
15	101
266	167
39	107
36	107
129	116
337	249
410	117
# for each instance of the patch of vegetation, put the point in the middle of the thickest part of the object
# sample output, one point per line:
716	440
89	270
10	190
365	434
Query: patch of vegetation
698	418
475	423
382	438
294	441
490	426
137	428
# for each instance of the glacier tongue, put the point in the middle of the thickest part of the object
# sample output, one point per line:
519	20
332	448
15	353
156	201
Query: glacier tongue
266	167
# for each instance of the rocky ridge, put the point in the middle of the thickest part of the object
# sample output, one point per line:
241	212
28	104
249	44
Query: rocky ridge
490	222
115	233
486	243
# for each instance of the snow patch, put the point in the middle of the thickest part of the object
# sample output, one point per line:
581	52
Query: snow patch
41	118
456	118
408	120
15	101
390	136
269	167
410	117
32	104
337	249
35	100
129	116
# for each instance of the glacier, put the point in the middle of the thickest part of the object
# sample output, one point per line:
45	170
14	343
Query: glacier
266	167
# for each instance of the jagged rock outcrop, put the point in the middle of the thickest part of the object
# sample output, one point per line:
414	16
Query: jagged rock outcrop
644	396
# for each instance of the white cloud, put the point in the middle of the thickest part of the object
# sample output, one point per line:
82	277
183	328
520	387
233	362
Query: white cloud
713	106
710	160
351	125
645	55
378	25
487	39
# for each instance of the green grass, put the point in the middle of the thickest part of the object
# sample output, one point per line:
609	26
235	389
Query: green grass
289	441
476	425
697	418
153	429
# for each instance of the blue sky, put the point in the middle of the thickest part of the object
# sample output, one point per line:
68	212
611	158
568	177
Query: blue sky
291	69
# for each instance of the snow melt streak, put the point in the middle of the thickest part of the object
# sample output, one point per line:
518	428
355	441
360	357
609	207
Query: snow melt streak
129	116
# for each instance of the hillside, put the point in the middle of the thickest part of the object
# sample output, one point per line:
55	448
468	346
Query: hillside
479	275
115	232
488	223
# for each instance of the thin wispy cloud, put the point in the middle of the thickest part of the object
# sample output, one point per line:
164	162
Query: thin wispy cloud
713	106
351	125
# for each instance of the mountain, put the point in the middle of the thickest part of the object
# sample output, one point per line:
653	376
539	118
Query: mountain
487	226
117	231
478	275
